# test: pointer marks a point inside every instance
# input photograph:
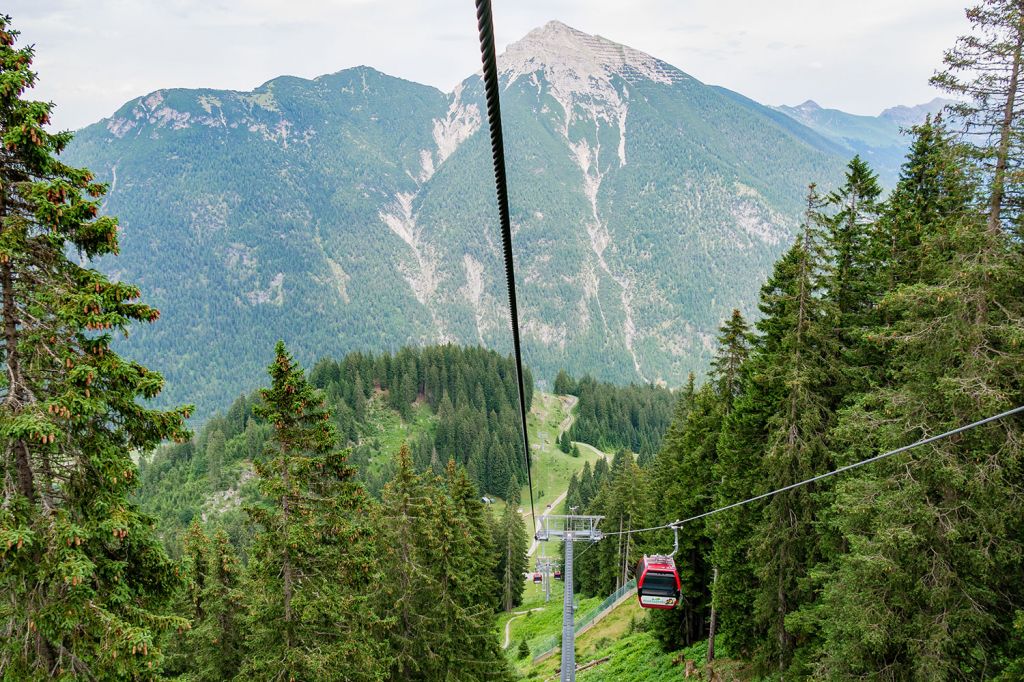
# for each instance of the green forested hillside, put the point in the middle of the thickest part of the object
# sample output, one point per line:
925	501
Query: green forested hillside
444	402
354	212
339	523
611	417
885	322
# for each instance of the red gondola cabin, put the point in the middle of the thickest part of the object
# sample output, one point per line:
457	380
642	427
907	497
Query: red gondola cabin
657	582
537	578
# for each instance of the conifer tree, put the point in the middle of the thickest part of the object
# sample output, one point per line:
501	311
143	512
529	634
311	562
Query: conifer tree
511	543
405	521
621	499
214	646
179	649
851	278
984	68
215	453
311	565
797	346
85	586
733	349
474	518
849	229
221	659
919	592
438	628
776	433
563	383
933	187
686	482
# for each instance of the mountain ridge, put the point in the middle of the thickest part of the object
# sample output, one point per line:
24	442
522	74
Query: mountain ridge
355	210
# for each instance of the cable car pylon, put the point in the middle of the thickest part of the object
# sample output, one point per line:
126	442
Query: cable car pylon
546	567
570	528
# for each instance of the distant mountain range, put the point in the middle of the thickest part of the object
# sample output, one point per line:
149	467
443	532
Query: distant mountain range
356	211
878	139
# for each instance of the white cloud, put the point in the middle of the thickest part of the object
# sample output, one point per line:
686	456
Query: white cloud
863	56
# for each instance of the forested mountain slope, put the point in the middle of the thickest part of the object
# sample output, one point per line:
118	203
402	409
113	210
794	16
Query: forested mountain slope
355	211
443	402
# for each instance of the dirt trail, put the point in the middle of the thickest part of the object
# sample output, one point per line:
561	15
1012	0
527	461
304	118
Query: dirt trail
568	403
508	625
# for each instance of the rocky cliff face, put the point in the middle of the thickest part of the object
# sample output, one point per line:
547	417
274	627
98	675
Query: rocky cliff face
356	211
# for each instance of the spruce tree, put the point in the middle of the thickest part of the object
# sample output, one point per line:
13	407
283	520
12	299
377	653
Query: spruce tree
219	636
934	186
734	341
685	480
438	628
511	543
848	231
851	278
179	649
405	521
311	565
775	435
213	648
85	586
919	591
474	518
215	454
983	70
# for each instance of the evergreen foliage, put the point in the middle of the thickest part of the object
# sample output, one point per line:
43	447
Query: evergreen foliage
611	417
310	568
463	405
511	542
440	608
85	586
886	321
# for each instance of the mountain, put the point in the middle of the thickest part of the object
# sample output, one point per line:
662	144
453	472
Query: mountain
356	211
878	139
906	116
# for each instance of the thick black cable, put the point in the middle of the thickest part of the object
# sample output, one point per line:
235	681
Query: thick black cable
827	474
485	24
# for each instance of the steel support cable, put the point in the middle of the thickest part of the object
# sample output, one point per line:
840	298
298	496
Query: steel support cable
869	460
485	25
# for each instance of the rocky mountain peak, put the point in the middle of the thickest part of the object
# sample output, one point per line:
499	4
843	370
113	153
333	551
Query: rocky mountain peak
808	105
563	53
913	115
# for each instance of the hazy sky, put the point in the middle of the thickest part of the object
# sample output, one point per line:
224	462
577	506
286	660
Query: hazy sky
858	55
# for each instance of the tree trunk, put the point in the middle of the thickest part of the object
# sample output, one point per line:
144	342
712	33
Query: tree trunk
714	618
1005	129
15	382
286	568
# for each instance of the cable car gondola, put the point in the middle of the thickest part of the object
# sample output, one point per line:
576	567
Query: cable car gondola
537	578
558	574
657	582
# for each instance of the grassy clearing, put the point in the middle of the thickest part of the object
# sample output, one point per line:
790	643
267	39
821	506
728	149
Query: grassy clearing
634	655
386	431
551	467
538	627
